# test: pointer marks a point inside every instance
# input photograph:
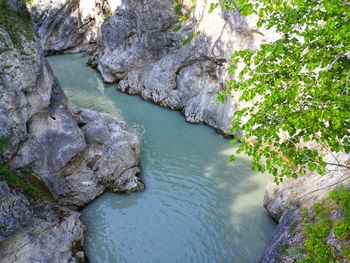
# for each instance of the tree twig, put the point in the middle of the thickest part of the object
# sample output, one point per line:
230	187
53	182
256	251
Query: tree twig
340	181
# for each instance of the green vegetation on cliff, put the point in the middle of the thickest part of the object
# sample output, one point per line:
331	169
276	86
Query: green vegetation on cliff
5	143
330	217
16	22
27	183
299	85
183	14
23	181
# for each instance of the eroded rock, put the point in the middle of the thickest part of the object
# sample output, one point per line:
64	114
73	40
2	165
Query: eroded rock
37	230
178	65
69	26
285	202
75	154
177	58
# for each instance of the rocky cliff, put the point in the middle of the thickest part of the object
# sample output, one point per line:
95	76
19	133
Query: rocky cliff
173	53
176	58
308	216
53	156
68	26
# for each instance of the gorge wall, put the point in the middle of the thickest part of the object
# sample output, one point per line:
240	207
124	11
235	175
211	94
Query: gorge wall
175	55
69	26
54	157
177	58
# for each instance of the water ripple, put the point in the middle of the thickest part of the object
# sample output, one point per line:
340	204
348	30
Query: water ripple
196	206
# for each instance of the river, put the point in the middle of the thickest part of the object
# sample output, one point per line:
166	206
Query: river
197	207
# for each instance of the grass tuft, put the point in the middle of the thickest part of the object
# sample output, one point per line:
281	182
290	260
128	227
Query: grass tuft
16	23
27	183
318	225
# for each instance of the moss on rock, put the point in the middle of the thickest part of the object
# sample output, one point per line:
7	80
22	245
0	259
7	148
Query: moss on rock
328	218
5	143
16	22
25	182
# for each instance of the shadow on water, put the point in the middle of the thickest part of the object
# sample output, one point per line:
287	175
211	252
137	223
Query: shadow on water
197	207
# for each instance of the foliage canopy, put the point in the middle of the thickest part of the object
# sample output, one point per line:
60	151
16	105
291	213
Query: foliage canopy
299	85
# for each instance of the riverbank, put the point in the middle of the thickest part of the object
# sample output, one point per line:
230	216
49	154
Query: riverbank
177	59
54	158
185	70
197	205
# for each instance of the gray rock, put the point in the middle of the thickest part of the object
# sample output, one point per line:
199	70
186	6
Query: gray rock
148	51
69	26
287	243
307	189
76	163
186	69
134	36
37	231
284	202
283	238
76	154
112	152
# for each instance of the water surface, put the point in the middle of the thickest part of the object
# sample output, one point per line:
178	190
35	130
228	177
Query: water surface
197	207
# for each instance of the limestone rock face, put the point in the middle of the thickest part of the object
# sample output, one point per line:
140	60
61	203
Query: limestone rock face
176	57
76	154
37	231
306	190
284	203
179	65
110	161
136	35
57	143
68	26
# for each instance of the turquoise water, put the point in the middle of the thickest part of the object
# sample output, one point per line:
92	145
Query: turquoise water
197	207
